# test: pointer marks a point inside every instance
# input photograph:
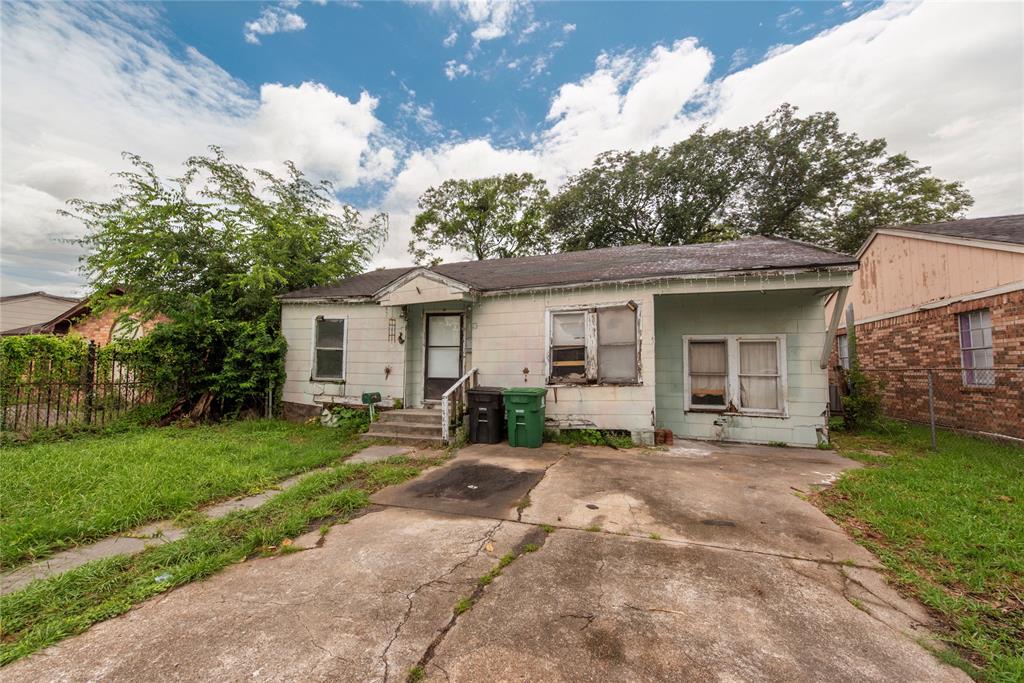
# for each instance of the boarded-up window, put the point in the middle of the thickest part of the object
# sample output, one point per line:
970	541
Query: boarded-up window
568	347
759	375
616	344
708	373
329	352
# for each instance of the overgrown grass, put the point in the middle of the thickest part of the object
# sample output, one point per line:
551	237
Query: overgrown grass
47	611
949	527
590	437
55	495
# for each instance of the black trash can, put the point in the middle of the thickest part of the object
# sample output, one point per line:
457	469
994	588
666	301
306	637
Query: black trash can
486	415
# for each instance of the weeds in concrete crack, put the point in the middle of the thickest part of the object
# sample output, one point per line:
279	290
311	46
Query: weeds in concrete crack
529	544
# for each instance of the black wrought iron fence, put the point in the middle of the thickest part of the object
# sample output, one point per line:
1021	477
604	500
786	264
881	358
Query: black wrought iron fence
984	400
87	389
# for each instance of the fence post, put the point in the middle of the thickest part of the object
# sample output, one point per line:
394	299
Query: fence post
90	382
931	407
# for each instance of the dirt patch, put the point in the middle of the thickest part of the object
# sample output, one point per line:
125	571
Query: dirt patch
474	481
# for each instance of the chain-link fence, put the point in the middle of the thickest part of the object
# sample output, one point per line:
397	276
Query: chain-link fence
984	400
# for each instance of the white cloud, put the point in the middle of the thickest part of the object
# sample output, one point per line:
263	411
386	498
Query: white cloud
82	83
778	49
272	20
453	69
568	28
492	19
452	38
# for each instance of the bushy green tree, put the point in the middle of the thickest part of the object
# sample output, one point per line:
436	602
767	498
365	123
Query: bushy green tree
208	252
791	176
496	217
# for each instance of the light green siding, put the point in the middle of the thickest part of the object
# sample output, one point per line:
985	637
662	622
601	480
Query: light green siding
798	314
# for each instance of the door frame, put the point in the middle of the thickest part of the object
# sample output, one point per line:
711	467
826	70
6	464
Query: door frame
426	347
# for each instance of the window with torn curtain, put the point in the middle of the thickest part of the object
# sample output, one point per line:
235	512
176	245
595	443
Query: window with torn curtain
735	374
329	349
594	345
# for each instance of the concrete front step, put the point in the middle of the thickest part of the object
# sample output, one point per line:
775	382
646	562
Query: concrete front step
411	428
425	417
405	438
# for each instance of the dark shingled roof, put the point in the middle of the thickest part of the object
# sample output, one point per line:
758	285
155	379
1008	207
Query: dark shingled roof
614	264
994	228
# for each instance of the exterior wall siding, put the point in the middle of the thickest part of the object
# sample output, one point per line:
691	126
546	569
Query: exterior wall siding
368	353
33	310
797	314
899	272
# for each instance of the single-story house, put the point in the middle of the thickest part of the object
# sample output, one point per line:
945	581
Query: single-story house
712	341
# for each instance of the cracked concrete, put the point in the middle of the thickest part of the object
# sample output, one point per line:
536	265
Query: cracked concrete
743	581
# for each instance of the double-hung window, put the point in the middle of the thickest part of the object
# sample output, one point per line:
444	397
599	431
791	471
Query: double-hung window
595	345
736	374
976	348
329	349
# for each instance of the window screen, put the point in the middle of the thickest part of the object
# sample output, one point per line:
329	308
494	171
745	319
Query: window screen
844	351
976	348
708	372
329	361
568	347
616	344
759	375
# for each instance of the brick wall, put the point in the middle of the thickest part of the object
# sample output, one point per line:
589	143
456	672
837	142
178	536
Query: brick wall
898	351
99	327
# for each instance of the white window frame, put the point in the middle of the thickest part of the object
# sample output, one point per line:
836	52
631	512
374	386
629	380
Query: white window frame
591	344
987	372
344	350
732	378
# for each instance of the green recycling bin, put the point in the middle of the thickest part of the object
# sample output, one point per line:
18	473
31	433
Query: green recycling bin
524	411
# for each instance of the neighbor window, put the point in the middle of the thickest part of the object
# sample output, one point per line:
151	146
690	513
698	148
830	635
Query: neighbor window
745	374
607	355
976	348
844	351
329	349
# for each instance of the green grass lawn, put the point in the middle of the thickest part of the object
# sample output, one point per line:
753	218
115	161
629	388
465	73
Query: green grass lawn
47	611
949	527
55	495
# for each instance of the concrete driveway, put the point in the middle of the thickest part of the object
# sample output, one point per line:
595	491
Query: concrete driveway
697	563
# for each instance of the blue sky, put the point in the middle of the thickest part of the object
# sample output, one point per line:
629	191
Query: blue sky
387	99
389	48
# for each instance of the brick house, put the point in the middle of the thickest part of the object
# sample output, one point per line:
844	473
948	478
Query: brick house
945	299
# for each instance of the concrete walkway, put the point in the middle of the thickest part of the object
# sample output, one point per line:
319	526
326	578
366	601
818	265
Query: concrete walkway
696	564
136	540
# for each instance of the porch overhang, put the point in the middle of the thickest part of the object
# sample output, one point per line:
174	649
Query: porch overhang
421	286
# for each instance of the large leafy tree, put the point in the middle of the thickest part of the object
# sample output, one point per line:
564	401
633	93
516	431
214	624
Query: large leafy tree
207	253
496	217
796	177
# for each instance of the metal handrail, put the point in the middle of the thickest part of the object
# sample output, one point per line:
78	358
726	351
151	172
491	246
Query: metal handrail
468	378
